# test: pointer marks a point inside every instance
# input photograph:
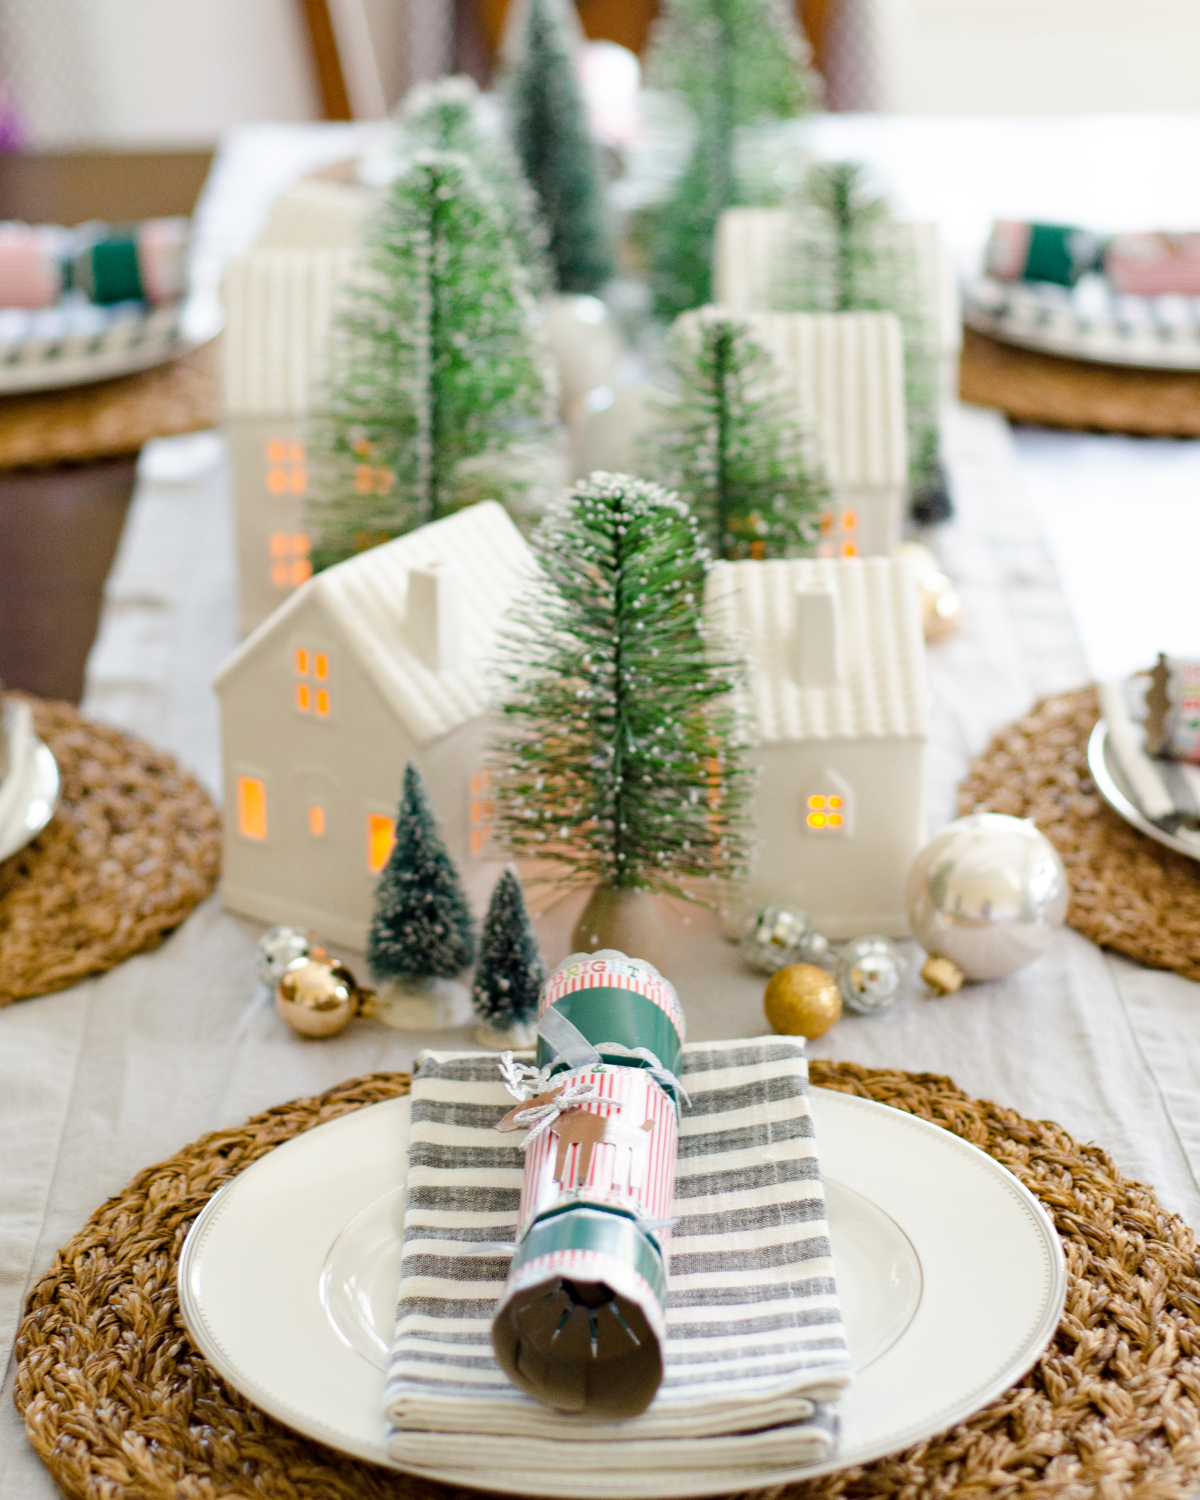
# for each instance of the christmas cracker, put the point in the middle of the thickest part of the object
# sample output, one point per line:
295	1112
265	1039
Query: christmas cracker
1058	253
581	1324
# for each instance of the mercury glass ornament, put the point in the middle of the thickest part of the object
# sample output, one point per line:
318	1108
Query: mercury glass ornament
317	996
279	948
802	1000
871	974
989	893
774	936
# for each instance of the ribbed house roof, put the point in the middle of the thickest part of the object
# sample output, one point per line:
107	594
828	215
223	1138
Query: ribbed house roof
882	692
488	560
312	214
847	370
278	305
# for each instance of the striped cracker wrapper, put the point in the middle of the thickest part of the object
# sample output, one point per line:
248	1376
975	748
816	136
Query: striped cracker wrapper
581	1324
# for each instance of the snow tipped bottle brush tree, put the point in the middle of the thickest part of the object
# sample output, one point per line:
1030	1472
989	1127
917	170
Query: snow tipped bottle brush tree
548	120
422	933
620	759
733	64
438	391
728	440
844	252
450	114
510	970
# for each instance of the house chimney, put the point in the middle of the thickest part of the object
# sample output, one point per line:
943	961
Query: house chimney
434	618
817	649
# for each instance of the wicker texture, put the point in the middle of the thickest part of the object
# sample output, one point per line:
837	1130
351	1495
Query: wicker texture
110	417
1030	386
1127	892
134	845
119	1405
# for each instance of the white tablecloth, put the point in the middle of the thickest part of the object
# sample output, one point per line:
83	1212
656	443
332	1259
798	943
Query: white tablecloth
103	1079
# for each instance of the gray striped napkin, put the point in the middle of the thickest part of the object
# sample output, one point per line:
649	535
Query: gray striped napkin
755	1351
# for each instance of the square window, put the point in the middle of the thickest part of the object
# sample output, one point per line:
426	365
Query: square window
297	481
277	481
303	697
295	451
300	571
280	544
849	520
316	821
252	808
276	451
849	549
381	835
281	575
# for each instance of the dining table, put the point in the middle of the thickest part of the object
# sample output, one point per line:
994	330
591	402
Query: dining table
1062	576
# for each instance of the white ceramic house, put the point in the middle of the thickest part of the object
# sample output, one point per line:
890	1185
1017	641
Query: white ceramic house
278	305
847	373
377	661
839	703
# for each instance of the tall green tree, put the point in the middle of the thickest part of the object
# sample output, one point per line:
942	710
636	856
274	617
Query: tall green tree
435	364
510	970
449	114
548	119
422	926
620	757
734	63
728	441
846	253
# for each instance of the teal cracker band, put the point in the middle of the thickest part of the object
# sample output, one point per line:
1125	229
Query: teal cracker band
596	1229
607	1014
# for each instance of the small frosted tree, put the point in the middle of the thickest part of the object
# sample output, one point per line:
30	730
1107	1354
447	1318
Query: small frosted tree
510	970
435	365
846	253
734	63
552	136
422	926
450	115
729	442
620	758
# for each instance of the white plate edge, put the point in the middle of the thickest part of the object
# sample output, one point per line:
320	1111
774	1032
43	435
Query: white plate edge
1124	808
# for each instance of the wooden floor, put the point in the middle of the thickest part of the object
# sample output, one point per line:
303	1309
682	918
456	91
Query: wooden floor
59	527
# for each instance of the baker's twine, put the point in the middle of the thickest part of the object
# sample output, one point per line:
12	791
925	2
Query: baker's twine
134	846
1128	892
121	1407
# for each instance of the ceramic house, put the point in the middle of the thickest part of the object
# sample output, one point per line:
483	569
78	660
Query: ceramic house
838	700
279	304
847	373
372	663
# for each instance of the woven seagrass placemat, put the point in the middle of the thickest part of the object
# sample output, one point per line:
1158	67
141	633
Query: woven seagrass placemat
1127	892
119	1404
134	845
1042	388
110	417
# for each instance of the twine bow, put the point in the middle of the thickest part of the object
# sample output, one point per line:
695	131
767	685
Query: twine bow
541	1117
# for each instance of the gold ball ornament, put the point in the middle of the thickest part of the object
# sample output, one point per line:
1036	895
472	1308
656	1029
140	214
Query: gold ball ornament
317	996
802	1000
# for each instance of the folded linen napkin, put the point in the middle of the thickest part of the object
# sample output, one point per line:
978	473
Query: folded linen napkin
755	1348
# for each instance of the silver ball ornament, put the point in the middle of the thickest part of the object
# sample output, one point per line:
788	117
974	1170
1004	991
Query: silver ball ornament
773	937
278	948
989	893
871	974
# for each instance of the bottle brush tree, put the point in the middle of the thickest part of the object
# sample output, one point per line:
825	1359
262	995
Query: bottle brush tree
548	119
422	926
449	114
733	63
845	253
510	970
435	367
620	756
729	442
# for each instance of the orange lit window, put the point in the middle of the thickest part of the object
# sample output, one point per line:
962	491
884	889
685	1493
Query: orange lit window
321	667
303	697
849	520
849	549
316	821
381	835
827	810
251	808
816	802
301	662
287	473
290	564
825	521
481	809
311	699
817	820
322	703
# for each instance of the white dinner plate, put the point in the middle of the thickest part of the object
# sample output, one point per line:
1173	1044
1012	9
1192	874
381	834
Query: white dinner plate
34	806
951	1277
1105	770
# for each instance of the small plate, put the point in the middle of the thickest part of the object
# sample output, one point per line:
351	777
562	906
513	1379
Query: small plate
35	807
951	1277
1105	771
